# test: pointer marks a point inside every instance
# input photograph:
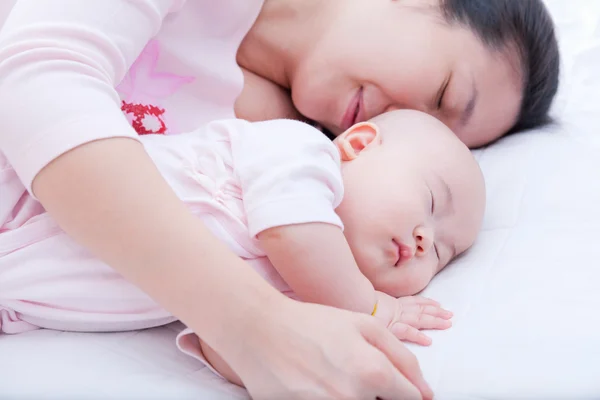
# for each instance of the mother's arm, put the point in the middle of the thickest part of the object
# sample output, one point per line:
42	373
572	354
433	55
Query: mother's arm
63	131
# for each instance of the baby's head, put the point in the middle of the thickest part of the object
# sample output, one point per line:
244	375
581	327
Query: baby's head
414	198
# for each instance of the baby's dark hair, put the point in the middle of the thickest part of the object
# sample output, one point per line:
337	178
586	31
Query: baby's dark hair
526	25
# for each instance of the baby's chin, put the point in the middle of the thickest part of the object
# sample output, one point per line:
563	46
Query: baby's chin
398	291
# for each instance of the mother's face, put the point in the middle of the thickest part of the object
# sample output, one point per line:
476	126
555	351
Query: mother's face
379	55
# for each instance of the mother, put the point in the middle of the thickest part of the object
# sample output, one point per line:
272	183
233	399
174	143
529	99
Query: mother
70	70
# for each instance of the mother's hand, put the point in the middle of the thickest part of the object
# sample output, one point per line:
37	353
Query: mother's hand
308	351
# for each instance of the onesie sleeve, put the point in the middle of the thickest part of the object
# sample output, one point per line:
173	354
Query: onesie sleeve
290	174
60	61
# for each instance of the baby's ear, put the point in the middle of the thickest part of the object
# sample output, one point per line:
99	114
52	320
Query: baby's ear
356	139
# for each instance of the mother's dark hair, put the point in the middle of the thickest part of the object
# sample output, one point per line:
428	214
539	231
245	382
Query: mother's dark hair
526	25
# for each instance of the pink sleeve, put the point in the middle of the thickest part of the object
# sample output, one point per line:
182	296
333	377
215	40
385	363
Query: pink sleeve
60	61
290	174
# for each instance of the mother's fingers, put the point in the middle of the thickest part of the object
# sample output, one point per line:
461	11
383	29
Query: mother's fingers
401	358
399	388
409	334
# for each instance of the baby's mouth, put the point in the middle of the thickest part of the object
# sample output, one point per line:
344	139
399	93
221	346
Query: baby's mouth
403	252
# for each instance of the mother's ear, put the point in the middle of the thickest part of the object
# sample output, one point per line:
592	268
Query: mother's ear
356	139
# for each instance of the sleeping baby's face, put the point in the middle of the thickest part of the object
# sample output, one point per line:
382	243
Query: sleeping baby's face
414	198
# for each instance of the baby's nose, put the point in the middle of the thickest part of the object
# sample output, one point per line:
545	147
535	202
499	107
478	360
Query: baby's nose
423	240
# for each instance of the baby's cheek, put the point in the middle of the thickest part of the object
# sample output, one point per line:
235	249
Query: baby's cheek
418	281
405	281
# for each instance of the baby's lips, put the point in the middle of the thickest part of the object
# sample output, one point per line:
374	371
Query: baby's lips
405	252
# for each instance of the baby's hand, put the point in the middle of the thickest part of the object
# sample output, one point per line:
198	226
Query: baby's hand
407	316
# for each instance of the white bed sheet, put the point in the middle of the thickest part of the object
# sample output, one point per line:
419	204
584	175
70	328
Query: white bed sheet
526	297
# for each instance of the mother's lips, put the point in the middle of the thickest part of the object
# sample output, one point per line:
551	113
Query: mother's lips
353	112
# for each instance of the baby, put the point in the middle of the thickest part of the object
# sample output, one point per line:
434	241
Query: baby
353	224
413	200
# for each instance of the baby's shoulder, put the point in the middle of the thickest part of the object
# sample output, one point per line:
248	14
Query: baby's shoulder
289	131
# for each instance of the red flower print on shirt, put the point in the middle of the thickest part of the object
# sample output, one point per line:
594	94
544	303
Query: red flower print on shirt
145	119
144	89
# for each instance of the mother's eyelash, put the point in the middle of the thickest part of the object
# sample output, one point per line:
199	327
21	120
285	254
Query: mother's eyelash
442	92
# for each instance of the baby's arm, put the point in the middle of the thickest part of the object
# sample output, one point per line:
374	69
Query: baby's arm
316	262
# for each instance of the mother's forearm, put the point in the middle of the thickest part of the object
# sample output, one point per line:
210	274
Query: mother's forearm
109	196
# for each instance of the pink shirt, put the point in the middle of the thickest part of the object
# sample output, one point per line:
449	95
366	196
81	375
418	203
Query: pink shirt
74	71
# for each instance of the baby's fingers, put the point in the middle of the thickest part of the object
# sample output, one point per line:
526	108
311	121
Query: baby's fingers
424	321
423	301
435	312
409	334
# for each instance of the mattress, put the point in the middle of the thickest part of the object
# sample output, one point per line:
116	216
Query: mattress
525	297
